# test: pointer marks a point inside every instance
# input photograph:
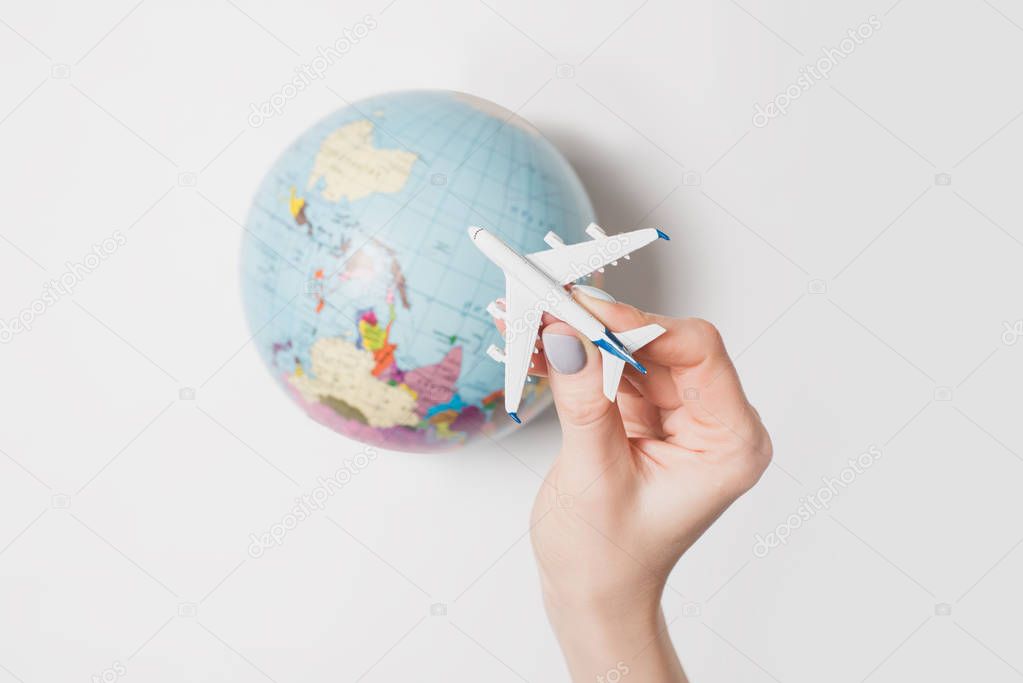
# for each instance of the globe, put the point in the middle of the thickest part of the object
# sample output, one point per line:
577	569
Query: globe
366	298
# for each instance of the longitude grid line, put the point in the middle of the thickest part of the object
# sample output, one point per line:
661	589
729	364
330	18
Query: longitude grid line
438	207
433	222
479	280
506	211
412	260
431	225
413	255
529	195
427	295
445	264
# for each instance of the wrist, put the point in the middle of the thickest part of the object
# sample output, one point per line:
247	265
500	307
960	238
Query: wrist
608	610
606	645
617	635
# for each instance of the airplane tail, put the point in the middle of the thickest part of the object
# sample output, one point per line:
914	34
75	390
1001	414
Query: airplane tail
633	340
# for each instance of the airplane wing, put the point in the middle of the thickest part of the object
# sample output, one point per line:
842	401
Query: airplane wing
521	315
566	263
633	340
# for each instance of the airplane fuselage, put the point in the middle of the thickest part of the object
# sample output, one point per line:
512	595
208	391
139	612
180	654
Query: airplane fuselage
550	296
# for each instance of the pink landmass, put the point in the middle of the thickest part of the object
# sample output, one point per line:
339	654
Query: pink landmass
470	420
393	372
435	383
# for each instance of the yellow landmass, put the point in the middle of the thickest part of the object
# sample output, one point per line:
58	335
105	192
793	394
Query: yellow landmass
341	371
295	204
352	167
373	336
444	432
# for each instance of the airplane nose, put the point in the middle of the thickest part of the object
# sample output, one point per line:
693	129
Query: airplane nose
474	231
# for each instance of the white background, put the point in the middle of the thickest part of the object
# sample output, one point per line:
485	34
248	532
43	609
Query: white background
125	512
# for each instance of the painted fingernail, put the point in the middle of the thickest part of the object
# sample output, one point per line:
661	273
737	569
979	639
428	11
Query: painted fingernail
565	353
595	293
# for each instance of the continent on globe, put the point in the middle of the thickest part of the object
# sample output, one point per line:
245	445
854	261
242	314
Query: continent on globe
352	167
436	383
342	378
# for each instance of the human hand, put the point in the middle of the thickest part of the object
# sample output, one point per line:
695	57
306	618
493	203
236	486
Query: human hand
635	483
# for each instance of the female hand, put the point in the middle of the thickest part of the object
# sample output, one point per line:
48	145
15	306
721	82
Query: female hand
635	484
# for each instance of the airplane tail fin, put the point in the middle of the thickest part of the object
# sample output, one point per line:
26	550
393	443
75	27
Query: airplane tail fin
633	340
636	339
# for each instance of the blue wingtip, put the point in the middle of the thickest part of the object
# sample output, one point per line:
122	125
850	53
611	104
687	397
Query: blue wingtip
515	417
602	344
663	235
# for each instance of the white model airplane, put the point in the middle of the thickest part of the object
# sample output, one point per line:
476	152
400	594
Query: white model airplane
535	283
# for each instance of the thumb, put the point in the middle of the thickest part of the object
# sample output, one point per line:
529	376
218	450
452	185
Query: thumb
591	426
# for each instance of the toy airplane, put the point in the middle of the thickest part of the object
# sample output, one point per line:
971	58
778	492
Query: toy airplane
535	283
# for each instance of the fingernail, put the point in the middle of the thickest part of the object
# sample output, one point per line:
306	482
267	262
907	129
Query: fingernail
564	352
595	293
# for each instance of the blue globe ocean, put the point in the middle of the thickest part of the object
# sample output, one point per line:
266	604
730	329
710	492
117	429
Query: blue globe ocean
366	298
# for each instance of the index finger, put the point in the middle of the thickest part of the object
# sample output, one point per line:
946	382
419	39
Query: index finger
692	352
686	343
